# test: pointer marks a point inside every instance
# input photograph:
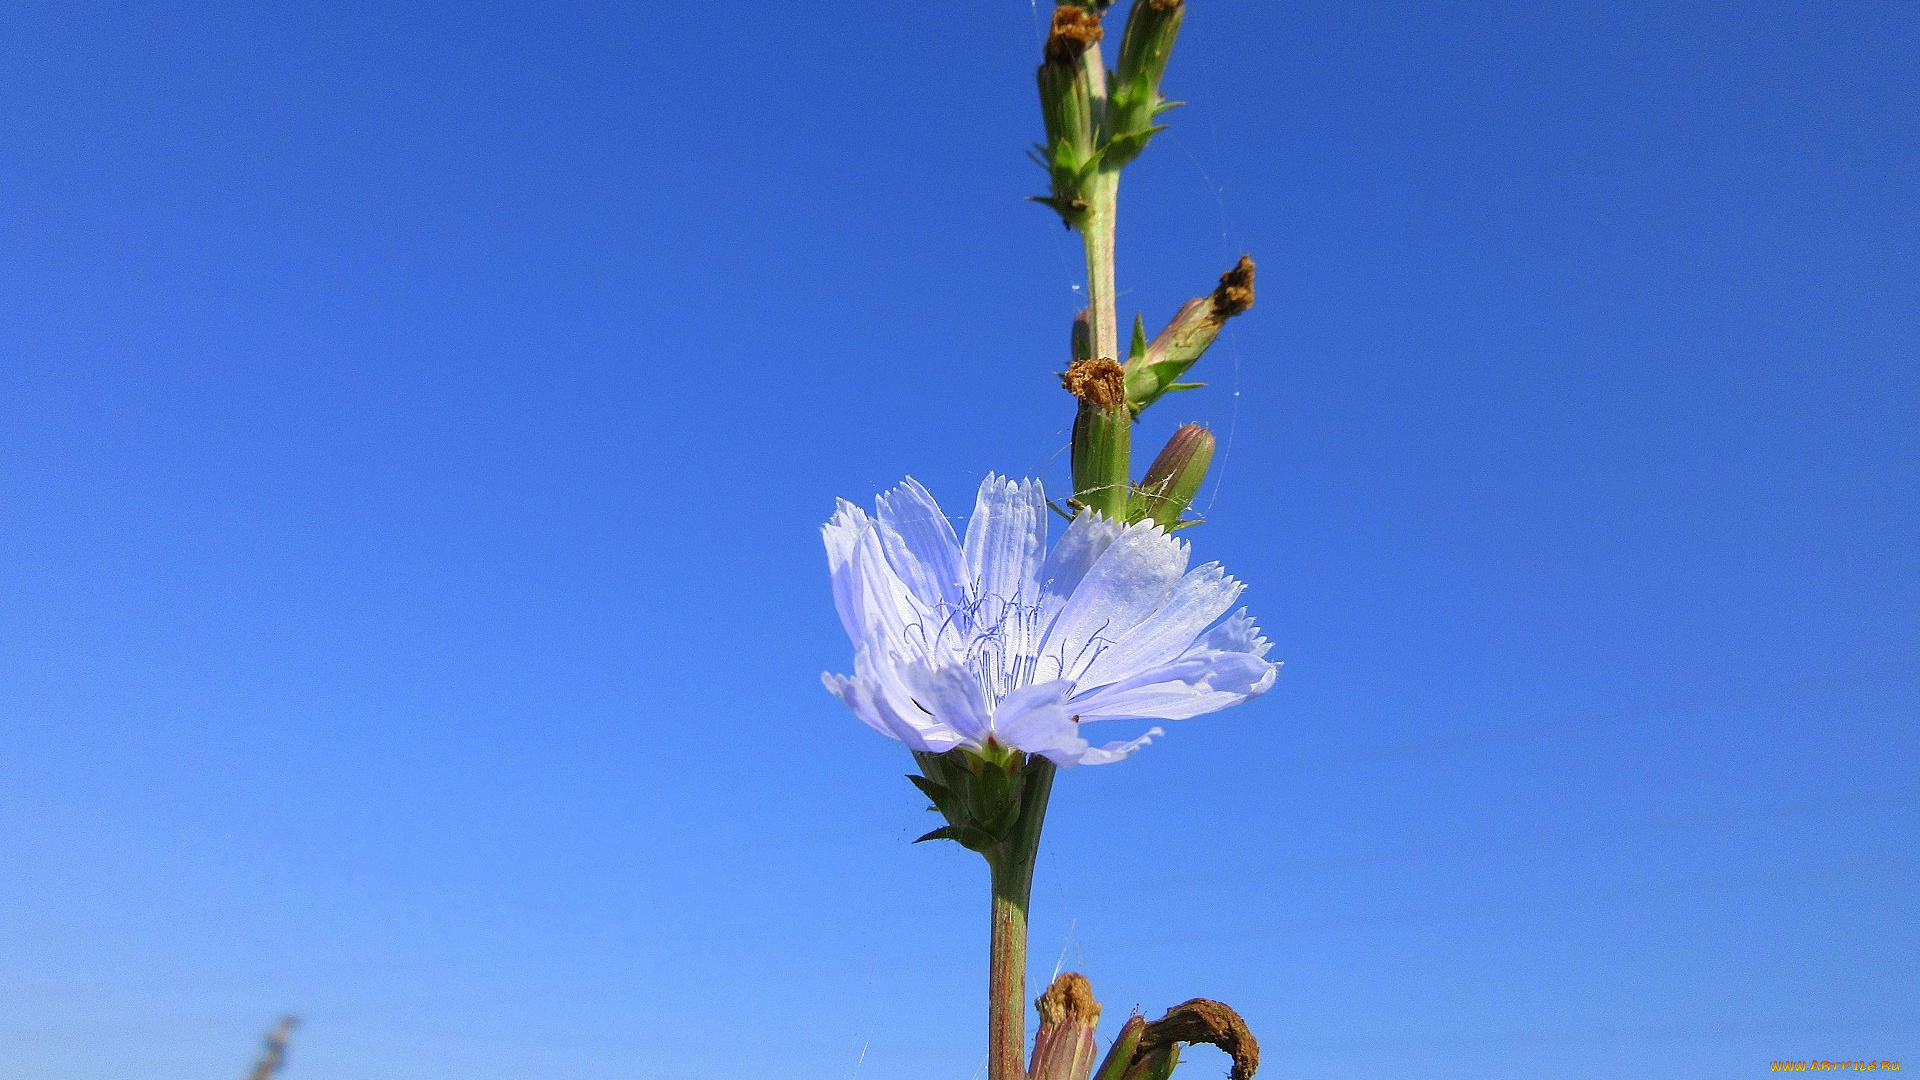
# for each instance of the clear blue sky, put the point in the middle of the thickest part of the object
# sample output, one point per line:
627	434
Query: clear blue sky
415	421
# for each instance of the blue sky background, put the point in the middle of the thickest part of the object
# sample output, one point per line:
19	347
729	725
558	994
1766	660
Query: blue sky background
415	420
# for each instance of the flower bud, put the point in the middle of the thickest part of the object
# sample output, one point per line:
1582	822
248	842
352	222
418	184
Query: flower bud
1072	93
1120	1053
1064	1049
1102	435
1174	477
1145	45
1175	349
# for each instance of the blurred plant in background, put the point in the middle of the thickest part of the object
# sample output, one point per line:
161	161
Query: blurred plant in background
274	1054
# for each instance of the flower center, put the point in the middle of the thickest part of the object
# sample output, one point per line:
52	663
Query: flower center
998	640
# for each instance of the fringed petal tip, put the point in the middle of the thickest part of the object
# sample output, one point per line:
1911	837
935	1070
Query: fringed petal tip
1118	751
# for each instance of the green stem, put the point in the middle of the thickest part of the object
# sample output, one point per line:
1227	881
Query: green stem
1096	232
1102	436
1012	869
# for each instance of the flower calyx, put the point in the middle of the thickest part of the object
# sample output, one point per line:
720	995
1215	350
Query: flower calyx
982	793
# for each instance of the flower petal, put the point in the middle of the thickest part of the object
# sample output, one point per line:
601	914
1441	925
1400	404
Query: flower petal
1115	751
1129	580
951	697
1006	538
1202	596
1225	667
1037	720
1034	719
920	544
1087	538
872	694
841	534
1234	634
893	618
857	694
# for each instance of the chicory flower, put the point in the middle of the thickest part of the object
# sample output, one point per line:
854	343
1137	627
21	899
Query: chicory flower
996	642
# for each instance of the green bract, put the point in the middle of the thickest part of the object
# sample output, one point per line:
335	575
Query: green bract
982	797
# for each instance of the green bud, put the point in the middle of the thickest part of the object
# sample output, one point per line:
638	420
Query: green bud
1120	1054
1072	103
1174	478
1064	1049
1175	349
1102	435
1145	46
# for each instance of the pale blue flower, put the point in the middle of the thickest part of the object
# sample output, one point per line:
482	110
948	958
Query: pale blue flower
996	638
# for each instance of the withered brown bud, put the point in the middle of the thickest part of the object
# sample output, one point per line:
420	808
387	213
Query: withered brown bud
1064	1049
1235	293
1100	382
1204	1021
1070	998
1074	31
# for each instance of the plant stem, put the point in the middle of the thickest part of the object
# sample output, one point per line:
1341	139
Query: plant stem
1012	868
1102	435
1007	977
1096	232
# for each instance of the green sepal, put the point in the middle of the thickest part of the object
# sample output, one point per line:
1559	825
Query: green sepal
1137	349
1158	1064
1133	95
1000	826
1146	382
1186	336
965	835
1120	1053
944	798
1126	146
1070	210
1102	449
